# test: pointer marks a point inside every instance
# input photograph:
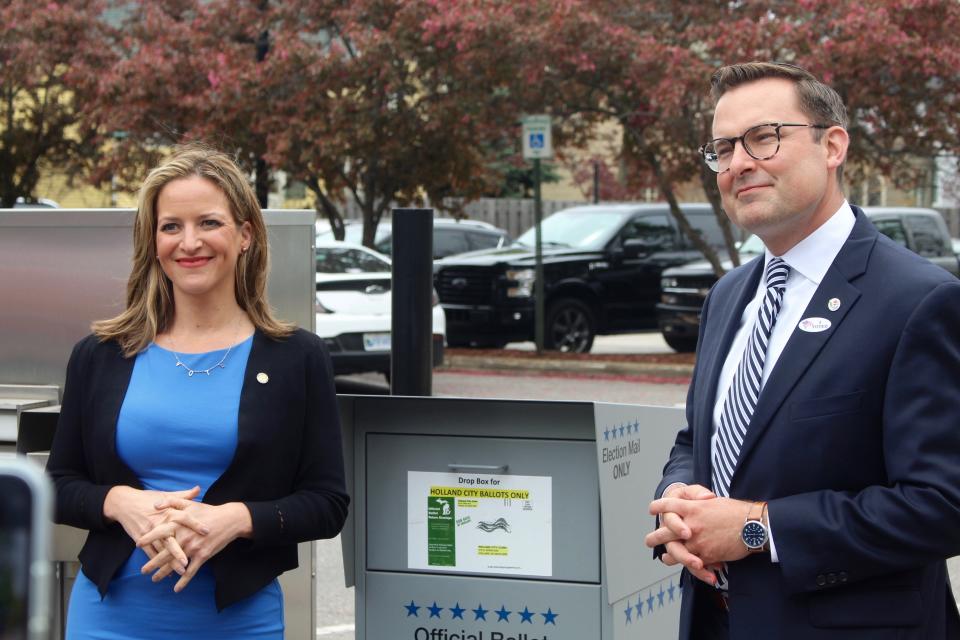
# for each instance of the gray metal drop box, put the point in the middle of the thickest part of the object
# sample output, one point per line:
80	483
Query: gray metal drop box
481	519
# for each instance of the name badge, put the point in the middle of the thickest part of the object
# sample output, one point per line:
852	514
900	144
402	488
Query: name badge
814	325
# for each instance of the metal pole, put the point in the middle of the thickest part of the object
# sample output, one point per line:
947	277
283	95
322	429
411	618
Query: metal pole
596	182
412	291
538	318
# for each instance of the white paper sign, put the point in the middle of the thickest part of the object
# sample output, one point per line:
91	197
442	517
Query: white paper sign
482	523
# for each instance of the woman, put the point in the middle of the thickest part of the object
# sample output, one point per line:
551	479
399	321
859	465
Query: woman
195	424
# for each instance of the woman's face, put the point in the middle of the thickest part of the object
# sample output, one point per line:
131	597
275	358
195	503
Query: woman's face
198	239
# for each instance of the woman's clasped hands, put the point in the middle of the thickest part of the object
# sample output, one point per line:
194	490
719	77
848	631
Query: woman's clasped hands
136	511
189	533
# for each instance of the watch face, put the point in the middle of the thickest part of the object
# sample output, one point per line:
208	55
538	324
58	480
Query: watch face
754	534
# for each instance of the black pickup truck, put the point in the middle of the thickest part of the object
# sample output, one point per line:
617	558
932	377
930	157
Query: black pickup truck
685	287
602	267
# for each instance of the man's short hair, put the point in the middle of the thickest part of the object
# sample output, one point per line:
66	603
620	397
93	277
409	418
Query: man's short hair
819	102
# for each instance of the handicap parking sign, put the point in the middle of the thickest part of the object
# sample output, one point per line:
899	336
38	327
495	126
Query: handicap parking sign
537	143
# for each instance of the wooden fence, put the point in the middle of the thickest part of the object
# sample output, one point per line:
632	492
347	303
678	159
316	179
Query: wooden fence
513	215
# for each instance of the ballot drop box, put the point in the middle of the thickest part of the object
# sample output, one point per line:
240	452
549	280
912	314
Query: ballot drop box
506	520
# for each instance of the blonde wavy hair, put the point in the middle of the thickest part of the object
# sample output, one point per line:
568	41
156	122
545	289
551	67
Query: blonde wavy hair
149	291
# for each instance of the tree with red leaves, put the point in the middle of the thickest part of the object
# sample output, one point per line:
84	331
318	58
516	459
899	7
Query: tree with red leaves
179	78
647	65
384	102
50	56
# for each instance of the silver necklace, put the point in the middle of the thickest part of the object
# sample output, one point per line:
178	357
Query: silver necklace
191	372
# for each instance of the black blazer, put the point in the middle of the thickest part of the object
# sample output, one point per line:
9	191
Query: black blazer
287	469
855	445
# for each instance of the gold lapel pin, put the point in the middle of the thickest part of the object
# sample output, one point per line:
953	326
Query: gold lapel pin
263	378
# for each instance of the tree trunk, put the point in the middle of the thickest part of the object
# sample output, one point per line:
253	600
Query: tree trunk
262	182
326	207
369	223
709	182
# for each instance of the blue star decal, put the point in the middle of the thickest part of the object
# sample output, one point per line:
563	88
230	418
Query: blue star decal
660	596
613	432
412	609
526	616
606	434
621	431
480	613
549	617
457	611
649	602
627	612
503	614
636	427
671	590
435	610
639	607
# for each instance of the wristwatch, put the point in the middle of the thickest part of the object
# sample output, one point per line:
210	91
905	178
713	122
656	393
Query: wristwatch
754	533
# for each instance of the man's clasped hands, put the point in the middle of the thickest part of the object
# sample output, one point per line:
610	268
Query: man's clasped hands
177	533
698	529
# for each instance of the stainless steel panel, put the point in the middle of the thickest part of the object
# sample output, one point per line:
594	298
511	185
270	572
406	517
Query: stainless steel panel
62	269
299	596
570	464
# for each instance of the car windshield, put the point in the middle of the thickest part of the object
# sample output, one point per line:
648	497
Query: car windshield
752	245
575	229
349	260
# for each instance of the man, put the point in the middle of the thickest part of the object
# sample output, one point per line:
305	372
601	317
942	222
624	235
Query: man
815	491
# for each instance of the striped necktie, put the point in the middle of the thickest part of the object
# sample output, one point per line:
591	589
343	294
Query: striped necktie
744	391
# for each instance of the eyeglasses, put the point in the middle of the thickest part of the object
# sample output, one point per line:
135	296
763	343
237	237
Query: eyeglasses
761	142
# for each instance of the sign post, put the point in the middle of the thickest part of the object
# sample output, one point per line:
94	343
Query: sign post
538	145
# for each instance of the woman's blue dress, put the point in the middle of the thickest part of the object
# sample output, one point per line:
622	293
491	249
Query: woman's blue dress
176	431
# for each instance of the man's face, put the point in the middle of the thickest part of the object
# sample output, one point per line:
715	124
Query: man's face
784	198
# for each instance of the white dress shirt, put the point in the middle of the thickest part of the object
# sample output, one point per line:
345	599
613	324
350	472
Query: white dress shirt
809	261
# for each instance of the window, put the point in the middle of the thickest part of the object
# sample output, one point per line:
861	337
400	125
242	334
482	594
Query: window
926	236
709	229
655	230
296	190
447	242
338	260
892	228
479	240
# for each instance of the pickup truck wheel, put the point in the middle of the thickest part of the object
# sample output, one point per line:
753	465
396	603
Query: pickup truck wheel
570	326
681	344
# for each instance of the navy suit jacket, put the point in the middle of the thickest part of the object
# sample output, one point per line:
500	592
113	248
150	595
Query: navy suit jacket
287	469
855	444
